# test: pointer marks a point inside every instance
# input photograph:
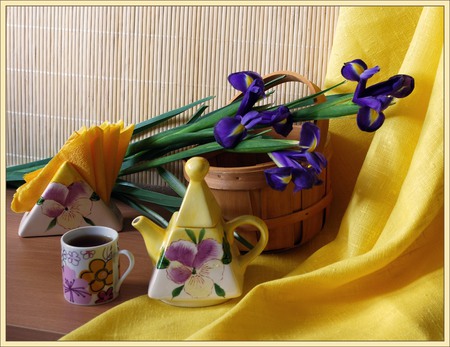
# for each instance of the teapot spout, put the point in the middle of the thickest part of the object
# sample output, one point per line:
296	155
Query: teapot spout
152	233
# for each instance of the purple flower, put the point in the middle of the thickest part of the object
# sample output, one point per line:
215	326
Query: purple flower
292	167
278	178
197	266
309	136
352	70
376	98
302	177
280	119
75	289
228	132
398	86
68	205
251	85
302	166
309	139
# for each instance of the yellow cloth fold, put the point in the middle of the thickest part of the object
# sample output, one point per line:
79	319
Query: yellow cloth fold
376	270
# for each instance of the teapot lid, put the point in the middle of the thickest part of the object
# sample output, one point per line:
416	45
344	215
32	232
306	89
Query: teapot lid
199	208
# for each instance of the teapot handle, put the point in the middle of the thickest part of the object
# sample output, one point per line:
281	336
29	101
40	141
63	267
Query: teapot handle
230	226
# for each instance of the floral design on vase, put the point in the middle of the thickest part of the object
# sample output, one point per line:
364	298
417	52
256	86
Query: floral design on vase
75	289
68	206
196	265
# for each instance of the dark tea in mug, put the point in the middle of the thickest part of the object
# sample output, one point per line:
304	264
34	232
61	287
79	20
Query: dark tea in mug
89	240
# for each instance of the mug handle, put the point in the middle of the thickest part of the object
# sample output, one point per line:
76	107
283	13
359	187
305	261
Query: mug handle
130	257
257	222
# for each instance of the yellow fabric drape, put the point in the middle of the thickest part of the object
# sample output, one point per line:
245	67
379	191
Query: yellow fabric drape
376	272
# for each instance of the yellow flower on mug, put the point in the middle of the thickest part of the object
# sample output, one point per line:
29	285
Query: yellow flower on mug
99	275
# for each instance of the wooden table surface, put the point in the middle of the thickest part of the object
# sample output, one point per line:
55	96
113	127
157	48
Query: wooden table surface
35	306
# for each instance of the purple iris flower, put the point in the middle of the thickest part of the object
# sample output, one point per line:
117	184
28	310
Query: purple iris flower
302	177
278	178
280	119
376	98
309	139
353	69
251	85
301	167
228	132
309	136
398	86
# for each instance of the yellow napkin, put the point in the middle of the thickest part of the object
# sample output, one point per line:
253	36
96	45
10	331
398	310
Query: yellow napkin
89	150
376	271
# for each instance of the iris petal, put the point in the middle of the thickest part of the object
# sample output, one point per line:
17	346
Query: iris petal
282	158
228	132
250	119
309	136
278	178
404	86
303	179
369	120
378	103
398	86
252	94
369	73
317	161
352	70
243	80
280	119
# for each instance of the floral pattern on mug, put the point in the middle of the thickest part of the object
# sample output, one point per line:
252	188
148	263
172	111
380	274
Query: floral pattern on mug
71	257
76	290
87	254
108	253
105	296
198	265
68	206
99	275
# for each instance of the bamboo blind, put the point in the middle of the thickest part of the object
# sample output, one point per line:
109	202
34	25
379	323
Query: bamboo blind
69	66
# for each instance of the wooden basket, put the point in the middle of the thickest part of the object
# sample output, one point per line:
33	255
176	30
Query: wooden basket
239	185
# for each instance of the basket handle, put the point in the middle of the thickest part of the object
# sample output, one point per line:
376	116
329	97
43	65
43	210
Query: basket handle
290	76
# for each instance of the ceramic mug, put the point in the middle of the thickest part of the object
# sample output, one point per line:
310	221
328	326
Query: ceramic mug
90	265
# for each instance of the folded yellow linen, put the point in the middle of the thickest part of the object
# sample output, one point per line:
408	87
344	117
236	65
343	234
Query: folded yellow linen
376	270
89	151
